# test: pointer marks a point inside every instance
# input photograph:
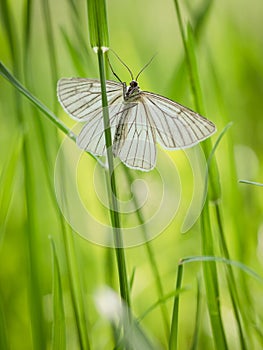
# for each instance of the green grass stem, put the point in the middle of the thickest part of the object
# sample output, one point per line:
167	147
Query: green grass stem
98	24
75	286
51	46
210	272
114	212
7	176
35	296
173	340
151	257
76	289
38	328
59	325
198	322
99	39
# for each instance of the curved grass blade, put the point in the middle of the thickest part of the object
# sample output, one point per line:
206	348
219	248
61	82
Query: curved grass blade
251	183
236	264
12	80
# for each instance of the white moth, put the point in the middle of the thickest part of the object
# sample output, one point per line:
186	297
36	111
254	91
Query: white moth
138	120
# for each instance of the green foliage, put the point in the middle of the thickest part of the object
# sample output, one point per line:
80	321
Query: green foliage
200	290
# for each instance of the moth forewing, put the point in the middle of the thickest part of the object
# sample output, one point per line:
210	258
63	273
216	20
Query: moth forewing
81	97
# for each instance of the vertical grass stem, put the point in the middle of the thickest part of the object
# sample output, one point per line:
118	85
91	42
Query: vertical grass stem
114	212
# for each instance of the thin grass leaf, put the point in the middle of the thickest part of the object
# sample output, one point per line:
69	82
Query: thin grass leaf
59	327
7	179
76	290
211	283
190	67
210	272
199	21
51	116
194	77
34	292
251	183
214	184
27	35
198	321
210	158
51	45
10	29
173	341
233	289
239	291
165	298
131	281
151	256
75	40
233	263
201	17
73	270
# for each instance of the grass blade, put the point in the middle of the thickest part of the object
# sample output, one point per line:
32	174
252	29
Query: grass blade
198	322
51	116
151	257
210	272
7	180
59	327
73	272
99	39
237	264
98	26
51	45
165	298
173	341
251	183
114	213
35	295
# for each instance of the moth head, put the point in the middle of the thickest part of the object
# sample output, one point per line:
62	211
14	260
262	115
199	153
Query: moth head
134	84
133	90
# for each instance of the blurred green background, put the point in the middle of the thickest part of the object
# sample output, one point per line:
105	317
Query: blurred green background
43	41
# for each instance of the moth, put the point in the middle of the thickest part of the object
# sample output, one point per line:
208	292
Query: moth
138	120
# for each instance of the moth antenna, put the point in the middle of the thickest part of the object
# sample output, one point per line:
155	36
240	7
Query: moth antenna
145	66
125	65
111	68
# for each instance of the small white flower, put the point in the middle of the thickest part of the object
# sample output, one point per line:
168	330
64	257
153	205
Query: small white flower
108	304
